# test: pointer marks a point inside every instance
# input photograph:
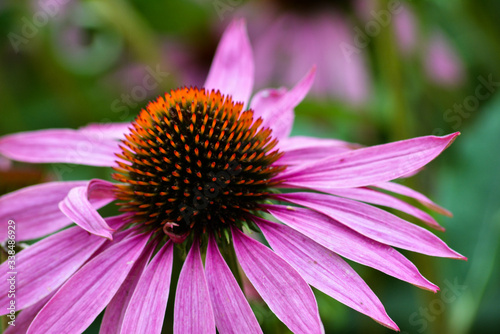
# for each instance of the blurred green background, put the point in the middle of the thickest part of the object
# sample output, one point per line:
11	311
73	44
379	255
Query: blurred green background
425	67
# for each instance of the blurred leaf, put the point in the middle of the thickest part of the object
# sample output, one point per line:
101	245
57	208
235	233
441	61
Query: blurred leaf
470	188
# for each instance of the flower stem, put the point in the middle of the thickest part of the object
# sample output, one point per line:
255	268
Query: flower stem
231	260
4	323
390	63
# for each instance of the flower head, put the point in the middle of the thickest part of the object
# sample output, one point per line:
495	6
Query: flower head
195	162
199	169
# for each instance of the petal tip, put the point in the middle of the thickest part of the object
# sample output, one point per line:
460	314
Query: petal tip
451	138
387	322
457	256
106	234
392	326
238	24
427	285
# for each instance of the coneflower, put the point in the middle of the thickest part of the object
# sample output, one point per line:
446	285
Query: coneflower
198	170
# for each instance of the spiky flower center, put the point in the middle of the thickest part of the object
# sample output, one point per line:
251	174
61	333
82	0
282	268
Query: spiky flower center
194	161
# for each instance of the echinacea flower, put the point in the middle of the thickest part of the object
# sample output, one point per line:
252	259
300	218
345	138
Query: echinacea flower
197	170
288	42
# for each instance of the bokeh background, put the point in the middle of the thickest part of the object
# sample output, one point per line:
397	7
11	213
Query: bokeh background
387	70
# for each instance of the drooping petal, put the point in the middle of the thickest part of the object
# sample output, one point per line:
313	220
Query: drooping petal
77	207
378	198
367	166
232	70
115	311
324	270
35	210
100	192
275	106
193	309
374	223
44	266
282	288
80	300
26	316
146	309
231	309
59	146
106	130
405	191
350	244
301	149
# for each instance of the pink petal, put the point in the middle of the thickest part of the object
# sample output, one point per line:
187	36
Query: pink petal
301	142
405	191
367	166
306	155
116	223
231	309
275	106
374	223
282	288
115	311
193	309
324	270
117	236
378	198
100	192
232	70
44	266
59	146
146	309
301	149
106	131
25	318
349	244
34	209
77	207
80	300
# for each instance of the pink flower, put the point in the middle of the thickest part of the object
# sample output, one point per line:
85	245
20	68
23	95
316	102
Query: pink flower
194	169
405	29
442	64
290	42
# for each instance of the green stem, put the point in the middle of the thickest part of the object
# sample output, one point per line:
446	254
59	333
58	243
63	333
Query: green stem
390	65
5	320
135	30
232	262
